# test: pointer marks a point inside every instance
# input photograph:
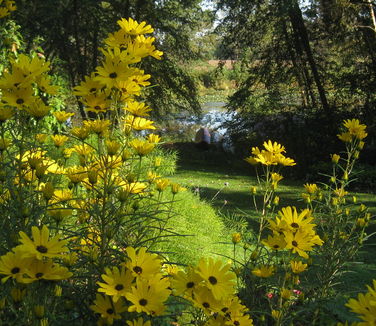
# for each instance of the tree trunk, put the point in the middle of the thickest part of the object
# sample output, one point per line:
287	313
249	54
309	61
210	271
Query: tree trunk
298	25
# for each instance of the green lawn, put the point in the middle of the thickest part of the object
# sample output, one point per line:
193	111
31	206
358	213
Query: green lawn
225	182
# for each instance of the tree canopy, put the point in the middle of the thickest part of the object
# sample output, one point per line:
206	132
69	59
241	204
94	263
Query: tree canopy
72	31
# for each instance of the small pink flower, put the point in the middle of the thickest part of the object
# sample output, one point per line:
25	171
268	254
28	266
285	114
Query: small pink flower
297	292
269	295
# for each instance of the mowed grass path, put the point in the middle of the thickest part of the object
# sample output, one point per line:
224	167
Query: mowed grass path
224	182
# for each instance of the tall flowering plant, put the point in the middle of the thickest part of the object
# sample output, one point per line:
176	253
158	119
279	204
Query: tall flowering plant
77	202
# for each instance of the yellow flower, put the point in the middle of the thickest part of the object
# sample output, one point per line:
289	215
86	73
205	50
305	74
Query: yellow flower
147	297
80	132
297	266
112	147
5	113
311	188
41	246
335	158
185	282
17	294
274	147
88	86
41	138
112	72
47	270
176	188
275	242
37	109
18	97
62	116
137	108
138	322
62	195
285	161
109	310
97	102
161	184
286	293
39	311
154	139
296	221
264	271
4	143
345	137
13	265
365	306
236	237
76	174
132	27
276	314
100	127
301	241
355	128
59	140
276	177
138	123
118	282
142	147
251	160
340	192
141	263
204	299
217	277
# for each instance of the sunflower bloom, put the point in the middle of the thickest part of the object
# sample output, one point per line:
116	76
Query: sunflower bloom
186	282
217	276
264	271
41	246
13	265
47	270
365	306
108	310
147	297
142	264
118	282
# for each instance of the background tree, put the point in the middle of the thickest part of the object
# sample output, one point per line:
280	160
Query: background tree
309	64
72	31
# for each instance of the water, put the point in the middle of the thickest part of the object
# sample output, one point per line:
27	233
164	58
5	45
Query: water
213	117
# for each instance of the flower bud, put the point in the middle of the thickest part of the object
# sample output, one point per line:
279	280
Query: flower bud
335	158
236	237
39	311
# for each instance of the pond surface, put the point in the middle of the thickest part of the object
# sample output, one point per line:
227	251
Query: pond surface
214	116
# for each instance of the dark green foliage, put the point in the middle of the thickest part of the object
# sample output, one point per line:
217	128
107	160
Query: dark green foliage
73	30
308	67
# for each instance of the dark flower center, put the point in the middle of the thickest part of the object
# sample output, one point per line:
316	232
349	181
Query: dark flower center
92	90
143	302
295	225
15	270
205	305
113	75
38	275
190	285
42	249
294	243
110	311
276	246
119	287
20	101
137	269
236	323
213	280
